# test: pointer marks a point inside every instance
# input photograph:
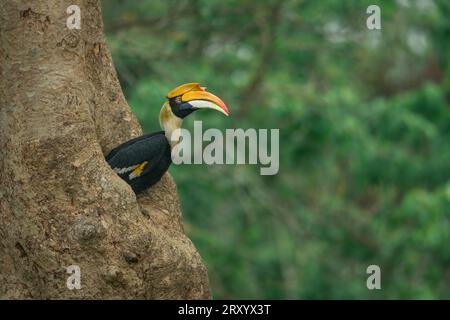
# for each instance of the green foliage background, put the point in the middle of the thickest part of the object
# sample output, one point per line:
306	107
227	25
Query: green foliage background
364	118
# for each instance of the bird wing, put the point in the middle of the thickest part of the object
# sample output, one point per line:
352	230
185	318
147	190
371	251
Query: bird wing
114	151
136	158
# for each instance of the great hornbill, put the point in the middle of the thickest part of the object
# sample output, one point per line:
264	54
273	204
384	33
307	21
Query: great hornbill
142	161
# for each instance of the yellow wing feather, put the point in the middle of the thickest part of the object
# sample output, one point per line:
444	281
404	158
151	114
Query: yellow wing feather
138	171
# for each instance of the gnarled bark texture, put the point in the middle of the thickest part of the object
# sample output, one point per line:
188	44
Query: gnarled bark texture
61	111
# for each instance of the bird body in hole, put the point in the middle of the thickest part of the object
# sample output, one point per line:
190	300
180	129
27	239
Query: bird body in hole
142	161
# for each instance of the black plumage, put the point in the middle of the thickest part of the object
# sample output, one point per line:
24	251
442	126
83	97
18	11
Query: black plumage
142	161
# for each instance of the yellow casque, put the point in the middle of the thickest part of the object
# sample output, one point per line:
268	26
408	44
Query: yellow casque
178	91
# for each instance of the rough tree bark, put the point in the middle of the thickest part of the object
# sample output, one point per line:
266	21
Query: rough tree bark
61	111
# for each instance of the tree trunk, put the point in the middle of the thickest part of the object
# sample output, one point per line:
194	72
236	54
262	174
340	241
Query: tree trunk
61	111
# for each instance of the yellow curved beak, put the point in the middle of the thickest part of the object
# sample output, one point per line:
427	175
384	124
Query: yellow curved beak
203	99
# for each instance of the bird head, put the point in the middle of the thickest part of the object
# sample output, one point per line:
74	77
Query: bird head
185	99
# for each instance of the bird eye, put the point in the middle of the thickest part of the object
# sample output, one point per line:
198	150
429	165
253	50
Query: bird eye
178	99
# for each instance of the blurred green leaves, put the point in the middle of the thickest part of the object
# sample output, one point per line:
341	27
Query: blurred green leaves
364	122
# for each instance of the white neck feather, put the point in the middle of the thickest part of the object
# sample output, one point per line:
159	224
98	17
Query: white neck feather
169	122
